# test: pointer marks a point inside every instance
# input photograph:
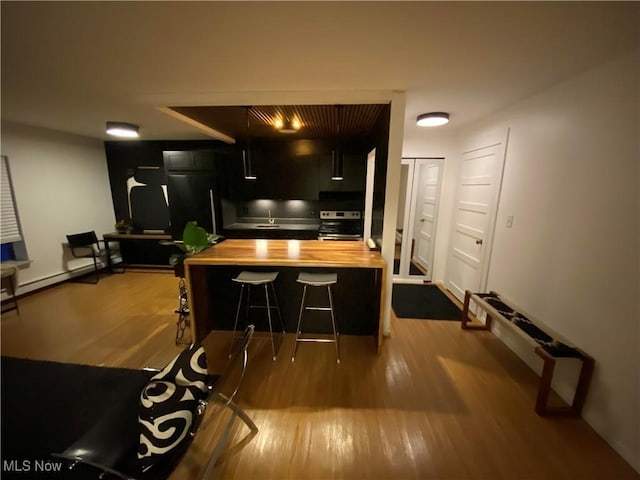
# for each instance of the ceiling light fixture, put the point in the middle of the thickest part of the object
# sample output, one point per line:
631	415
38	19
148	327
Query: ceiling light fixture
122	129
432	119
246	155
287	125
337	155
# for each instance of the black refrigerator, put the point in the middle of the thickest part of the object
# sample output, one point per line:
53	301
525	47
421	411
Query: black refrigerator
192	191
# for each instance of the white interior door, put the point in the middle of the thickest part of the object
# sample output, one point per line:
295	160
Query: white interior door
419	218
427	174
474	218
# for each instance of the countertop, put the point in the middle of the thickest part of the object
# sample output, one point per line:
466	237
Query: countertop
310	253
275	226
136	236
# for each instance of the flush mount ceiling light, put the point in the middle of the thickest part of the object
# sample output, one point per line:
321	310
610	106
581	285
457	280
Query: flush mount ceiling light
122	129
432	119
287	125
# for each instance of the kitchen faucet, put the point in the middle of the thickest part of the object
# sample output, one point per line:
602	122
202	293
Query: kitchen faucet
271	220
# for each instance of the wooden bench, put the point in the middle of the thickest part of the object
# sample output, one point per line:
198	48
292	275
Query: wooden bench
545	346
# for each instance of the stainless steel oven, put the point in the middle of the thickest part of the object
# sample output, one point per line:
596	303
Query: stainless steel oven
340	225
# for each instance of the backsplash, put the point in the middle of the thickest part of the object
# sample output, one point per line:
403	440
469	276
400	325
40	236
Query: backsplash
249	210
288	211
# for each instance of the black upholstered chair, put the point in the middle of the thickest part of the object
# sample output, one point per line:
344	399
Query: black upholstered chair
111	448
86	245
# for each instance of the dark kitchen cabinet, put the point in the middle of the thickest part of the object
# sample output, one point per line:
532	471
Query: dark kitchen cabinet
272	234
354	174
277	177
193	197
291	178
196	160
194	189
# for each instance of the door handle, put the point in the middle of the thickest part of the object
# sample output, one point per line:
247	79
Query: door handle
422	220
479	241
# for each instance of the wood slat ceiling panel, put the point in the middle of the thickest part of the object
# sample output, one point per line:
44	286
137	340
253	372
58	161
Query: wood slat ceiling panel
317	120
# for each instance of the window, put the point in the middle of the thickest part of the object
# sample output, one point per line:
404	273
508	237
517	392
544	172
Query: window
10	234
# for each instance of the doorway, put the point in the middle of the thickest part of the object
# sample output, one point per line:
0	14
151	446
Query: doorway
420	182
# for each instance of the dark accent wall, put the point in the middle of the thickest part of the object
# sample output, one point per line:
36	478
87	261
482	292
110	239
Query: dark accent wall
287	169
144	161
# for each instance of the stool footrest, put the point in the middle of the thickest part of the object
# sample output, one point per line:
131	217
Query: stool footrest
317	280
316	340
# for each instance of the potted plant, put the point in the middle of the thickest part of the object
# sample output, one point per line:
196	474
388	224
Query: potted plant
123	227
194	240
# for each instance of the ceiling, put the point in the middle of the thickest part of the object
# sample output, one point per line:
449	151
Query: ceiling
71	66
315	120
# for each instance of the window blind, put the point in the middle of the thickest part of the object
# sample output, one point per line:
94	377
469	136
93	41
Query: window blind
9	228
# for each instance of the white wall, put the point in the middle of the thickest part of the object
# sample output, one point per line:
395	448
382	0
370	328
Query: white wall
438	142
571	182
61	186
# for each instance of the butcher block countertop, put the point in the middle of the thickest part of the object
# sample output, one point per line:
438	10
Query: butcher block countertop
309	253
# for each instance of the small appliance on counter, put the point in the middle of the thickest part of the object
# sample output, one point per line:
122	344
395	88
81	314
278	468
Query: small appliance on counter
340	225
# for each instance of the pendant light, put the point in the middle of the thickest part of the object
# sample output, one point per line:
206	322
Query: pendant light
337	156
246	155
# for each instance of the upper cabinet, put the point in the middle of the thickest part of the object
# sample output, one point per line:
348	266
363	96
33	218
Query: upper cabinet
279	177
354	172
195	160
297	169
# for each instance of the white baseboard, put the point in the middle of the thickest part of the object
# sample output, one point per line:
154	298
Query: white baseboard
53	279
407	281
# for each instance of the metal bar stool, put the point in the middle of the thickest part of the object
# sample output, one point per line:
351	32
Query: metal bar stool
317	280
248	279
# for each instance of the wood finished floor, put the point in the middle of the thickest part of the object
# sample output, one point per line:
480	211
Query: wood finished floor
437	403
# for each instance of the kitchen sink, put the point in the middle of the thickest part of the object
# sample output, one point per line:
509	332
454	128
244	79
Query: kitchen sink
267	225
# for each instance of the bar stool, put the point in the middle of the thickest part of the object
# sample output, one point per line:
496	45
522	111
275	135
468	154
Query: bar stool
258	278
317	280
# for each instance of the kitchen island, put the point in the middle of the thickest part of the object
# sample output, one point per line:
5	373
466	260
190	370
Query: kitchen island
358	295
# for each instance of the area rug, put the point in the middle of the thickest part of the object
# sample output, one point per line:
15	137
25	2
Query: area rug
46	406
424	302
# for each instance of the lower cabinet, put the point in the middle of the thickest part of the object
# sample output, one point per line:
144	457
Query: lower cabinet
144	250
272	234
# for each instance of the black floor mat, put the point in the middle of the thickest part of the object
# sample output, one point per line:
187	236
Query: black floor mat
423	301
46	406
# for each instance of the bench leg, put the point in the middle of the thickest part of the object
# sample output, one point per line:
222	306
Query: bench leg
464	318
586	371
465	310
544	387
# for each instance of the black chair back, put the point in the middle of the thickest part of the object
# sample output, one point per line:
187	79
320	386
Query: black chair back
85	239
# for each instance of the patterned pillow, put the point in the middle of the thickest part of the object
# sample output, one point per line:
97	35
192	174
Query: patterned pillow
166	415
168	404
188	369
